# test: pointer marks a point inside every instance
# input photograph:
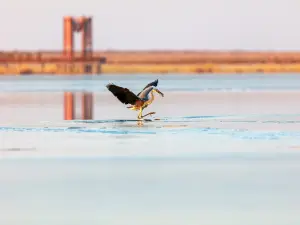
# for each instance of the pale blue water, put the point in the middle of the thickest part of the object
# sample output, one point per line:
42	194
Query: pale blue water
168	82
224	160
94	191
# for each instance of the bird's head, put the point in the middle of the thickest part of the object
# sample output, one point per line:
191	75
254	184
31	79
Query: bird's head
159	92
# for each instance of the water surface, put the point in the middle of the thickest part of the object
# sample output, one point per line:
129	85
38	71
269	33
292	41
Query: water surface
224	150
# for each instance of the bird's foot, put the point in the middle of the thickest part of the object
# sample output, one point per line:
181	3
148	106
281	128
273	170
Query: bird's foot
141	117
148	114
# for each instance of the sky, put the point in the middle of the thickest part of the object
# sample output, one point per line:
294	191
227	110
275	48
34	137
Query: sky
155	24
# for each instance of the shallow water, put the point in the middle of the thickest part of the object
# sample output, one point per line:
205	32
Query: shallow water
240	82
148	191
223	150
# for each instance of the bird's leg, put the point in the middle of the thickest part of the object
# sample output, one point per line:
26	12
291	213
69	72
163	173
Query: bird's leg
140	114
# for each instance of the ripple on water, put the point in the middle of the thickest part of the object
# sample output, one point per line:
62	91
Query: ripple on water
212	125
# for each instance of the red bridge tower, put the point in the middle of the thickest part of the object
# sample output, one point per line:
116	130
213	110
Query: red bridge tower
84	26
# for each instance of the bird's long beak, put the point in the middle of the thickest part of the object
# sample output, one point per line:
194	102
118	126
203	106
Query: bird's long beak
159	92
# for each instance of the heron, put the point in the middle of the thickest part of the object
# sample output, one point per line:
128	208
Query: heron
137	102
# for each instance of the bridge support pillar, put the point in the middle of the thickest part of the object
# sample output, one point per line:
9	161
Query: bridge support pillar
81	25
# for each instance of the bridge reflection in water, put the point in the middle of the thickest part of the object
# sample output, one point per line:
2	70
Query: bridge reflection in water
87	103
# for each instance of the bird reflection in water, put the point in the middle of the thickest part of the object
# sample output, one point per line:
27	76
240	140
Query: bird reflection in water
140	123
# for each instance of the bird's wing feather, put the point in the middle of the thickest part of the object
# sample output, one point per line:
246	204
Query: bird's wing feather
123	94
153	83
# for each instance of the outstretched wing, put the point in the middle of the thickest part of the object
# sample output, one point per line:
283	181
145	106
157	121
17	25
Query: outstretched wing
154	83
123	94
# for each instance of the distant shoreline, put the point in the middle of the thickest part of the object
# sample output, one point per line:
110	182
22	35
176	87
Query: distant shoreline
156	61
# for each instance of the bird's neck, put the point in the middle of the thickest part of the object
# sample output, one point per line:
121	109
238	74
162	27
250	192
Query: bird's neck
151	99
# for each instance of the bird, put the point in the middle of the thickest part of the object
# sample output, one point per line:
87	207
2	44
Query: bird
137	102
